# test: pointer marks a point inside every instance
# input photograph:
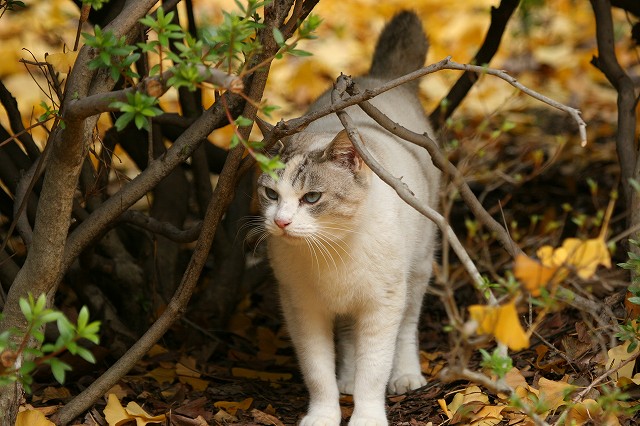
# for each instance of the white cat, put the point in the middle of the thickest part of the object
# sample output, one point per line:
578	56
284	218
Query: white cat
349	255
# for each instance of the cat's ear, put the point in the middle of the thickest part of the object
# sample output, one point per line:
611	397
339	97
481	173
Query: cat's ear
342	151
277	148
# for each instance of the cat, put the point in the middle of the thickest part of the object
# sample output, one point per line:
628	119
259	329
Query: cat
351	258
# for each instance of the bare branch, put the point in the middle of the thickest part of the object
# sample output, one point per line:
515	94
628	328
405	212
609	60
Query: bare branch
441	161
161	228
608	64
295	125
154	86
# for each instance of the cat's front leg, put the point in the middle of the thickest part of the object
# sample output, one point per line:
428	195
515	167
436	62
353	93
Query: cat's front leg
375	337
311	330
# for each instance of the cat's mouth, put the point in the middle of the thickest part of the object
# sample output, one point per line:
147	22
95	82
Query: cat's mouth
290	236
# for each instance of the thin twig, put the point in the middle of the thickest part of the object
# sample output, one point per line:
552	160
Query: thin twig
441	162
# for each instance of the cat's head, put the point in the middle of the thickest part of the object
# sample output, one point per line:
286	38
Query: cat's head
319	192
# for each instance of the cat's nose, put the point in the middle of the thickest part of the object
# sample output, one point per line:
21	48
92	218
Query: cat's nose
282	223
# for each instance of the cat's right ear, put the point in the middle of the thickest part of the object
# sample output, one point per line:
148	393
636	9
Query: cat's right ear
342	151
277	148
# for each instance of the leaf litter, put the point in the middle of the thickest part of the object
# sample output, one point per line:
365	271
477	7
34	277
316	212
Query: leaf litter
533	167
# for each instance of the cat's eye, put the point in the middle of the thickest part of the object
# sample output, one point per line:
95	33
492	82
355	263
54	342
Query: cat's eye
271	194
311	197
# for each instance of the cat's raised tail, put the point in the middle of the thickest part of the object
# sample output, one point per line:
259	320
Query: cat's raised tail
401	48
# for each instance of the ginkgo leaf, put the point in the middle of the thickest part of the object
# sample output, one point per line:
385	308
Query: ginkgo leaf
114	412
617	355
232	407
502	322
589	412
554	394
534	275
32	418
62	62
261	375
585	256
142	417
162	375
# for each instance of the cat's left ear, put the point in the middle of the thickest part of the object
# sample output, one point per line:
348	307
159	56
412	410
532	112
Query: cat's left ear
342	151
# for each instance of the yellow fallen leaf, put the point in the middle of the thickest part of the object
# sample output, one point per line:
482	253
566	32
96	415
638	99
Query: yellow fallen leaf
589	412
489	415
196	384
232	407
162	375
114	412
617	355
585	256
260	375
502	322
32	418
142	417
62	62
443	404
553	394
187	367
535	275
468	395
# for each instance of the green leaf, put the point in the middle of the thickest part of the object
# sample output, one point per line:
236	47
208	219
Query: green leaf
243	121
59	369
86	354
83	318
278	37
235	140
25	307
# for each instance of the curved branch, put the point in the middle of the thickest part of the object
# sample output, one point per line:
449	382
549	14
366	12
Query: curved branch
441	162
161	228
499	18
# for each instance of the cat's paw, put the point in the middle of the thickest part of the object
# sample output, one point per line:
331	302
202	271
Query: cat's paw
346	386
405	383
368	421
311	420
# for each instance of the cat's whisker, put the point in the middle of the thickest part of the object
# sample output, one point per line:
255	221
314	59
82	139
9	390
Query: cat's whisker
336	243
326	254
340	228
312	252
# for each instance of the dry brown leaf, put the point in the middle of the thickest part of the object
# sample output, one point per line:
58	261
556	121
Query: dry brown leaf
265	419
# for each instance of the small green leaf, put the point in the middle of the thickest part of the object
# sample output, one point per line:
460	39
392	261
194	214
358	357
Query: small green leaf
243	121
278	37
59	369
86	354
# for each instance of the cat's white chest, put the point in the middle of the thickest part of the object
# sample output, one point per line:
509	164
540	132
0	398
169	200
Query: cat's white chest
341	280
